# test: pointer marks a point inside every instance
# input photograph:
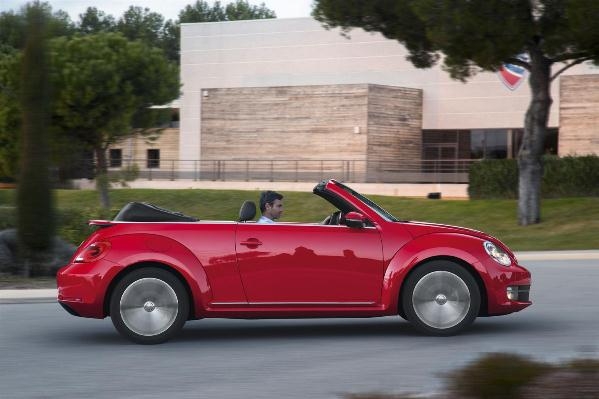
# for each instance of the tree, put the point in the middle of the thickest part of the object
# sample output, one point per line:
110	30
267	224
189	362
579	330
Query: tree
482	35
14	29
95	21
105	82
150	27
201	11
171	37
13	25
10	117
35	211
241	9
141	24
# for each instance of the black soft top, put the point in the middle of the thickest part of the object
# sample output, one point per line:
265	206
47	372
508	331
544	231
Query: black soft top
146	212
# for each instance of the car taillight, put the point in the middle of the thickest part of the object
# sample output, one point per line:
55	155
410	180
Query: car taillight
93	252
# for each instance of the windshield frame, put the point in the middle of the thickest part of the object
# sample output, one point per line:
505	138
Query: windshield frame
371	204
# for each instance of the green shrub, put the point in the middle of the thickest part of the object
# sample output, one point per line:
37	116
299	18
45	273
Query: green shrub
584	365
571	177
73	226
8	219
495	375
562	177
504	375
493	179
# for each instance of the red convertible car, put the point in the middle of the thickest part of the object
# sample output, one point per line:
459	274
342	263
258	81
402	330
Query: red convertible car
151	270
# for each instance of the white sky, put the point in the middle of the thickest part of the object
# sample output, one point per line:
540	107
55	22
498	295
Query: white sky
168	8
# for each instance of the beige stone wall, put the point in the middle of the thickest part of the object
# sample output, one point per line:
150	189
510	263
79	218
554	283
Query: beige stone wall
134	149
283	123
394	124
579	115
334	123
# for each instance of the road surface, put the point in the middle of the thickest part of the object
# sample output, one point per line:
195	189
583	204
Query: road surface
45	352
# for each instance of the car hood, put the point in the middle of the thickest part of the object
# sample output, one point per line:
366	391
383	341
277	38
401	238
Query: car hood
418	229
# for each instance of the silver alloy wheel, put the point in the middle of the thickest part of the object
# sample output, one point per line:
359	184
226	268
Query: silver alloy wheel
441	299
149	306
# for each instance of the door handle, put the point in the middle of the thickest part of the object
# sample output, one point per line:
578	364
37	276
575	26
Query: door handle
251	242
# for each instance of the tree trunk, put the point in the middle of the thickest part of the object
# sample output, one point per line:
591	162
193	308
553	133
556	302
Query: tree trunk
35	210
530	162
102	177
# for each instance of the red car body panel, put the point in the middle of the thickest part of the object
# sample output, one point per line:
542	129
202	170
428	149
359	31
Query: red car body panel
250	270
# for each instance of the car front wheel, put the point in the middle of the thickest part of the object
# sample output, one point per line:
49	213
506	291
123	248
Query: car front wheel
149	306
441	298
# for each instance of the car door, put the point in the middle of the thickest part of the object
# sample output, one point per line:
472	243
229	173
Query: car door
309	264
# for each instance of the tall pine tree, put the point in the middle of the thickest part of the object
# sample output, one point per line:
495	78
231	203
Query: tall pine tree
35	211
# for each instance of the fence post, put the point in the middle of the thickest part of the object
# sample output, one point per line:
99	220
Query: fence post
346	170
296	167
172	170
321	170
271	170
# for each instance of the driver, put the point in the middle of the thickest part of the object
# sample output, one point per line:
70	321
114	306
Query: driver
271	206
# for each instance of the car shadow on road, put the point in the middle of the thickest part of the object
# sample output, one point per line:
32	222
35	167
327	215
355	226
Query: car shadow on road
217	330
290	329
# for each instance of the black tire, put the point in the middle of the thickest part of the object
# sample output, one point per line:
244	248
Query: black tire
441	298
149	306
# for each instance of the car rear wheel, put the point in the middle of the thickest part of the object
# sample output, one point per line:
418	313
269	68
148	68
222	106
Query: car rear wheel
441	298
149	306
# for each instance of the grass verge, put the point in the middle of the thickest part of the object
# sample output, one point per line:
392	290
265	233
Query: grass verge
567	223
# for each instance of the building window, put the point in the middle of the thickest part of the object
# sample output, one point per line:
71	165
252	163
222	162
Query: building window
551	141
445	144
115	157
175	119
153	159
489	143
478	143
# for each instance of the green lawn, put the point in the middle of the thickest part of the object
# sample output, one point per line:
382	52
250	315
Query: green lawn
567	223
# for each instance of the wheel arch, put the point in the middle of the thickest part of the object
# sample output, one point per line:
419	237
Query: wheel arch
461	262
144	264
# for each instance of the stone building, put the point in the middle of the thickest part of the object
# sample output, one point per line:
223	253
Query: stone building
290	90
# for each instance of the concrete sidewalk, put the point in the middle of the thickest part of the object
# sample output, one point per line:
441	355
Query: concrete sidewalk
28	295
49	295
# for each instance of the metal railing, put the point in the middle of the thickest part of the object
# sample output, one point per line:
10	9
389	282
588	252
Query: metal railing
423	171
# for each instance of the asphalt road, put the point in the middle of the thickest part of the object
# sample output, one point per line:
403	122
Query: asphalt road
46	353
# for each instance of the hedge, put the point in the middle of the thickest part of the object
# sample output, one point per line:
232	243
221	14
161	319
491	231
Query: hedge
71	224
563	177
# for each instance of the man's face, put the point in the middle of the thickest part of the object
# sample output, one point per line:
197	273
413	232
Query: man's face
275	210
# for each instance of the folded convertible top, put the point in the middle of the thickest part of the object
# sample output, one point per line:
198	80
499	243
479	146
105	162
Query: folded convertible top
146	212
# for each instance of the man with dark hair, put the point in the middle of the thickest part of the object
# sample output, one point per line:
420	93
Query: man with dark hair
271	206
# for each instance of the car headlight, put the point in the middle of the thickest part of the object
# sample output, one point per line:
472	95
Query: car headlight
497	254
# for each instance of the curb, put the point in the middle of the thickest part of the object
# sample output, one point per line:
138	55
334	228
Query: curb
28	296
49	295
558	255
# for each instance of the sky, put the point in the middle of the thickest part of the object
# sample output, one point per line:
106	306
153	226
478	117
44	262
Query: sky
168	8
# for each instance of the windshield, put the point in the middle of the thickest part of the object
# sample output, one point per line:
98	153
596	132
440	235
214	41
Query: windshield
380	211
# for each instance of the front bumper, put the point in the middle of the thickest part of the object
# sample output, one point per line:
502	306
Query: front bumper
508	288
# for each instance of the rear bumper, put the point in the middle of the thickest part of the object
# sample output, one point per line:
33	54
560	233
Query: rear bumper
69	309
83	286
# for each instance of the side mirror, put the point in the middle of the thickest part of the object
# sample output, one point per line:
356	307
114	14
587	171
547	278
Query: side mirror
355	219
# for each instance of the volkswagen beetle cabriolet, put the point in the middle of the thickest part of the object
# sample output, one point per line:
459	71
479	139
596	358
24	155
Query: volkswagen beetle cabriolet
151	269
